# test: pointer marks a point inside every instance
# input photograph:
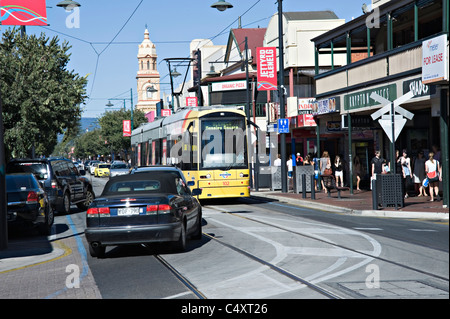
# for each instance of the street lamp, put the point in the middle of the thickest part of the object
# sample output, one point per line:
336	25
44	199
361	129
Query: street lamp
221	5
109	104
68	4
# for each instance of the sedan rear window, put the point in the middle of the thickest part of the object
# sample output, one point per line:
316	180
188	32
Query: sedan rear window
38	169
143	183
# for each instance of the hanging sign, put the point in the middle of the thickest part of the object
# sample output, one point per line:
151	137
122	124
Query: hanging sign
266	59
126	128
23	12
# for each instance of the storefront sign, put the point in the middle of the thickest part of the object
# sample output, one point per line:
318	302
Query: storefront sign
306	120
166	112
229	86
435	60
362	99
266	59
305	106
418	88
325	106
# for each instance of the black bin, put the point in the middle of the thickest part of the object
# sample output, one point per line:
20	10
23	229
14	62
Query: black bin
387	191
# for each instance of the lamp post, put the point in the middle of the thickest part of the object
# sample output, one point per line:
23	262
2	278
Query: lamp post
109	104
221	5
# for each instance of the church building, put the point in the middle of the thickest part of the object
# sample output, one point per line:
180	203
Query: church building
148	77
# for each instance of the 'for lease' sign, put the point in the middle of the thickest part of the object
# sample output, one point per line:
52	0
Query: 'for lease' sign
434	60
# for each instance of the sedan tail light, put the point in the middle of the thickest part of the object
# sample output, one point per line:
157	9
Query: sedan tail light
32	197
98	212
158	209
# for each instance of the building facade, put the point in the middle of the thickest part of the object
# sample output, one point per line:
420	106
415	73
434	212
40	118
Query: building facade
385	57
148	78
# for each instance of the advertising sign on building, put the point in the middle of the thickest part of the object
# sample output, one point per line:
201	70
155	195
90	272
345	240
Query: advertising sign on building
126	128
191	101
435	60
266	59
166	112
23	12
228	86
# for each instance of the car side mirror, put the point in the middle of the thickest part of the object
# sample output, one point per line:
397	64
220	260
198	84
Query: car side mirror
191	183
196	191
82	172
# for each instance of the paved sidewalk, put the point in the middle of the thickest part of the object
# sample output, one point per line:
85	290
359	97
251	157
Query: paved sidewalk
360	203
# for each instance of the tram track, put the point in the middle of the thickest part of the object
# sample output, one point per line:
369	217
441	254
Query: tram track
420	271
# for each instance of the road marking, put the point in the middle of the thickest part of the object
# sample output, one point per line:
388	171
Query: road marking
423	230
367	228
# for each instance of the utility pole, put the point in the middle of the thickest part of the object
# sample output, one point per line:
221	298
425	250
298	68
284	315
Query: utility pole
281	95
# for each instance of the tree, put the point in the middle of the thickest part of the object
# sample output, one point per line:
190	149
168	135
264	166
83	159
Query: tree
41	98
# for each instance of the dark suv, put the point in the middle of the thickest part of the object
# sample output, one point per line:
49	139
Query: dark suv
62	181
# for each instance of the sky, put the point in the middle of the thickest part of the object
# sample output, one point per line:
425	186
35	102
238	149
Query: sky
105	34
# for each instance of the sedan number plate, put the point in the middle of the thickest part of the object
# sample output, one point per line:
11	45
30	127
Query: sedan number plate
128	211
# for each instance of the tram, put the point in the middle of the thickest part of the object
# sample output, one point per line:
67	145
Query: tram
209	144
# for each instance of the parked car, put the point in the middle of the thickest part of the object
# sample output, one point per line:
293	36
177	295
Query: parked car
62	181
118	168
102	170
92	166
152	206
27	202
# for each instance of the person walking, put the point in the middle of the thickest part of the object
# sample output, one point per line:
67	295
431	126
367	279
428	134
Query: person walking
290	166
434	175
338	171
405	162
377	163
419	174
324	163
357	170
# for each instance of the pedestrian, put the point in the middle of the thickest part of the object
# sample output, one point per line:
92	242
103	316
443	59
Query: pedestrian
378	163
357	171
299	160
419	174
316	161
434	175
338	171
307	160
405	162
290	166
325	163
277	161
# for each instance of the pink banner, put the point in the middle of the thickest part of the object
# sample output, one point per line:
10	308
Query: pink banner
266	59
23	12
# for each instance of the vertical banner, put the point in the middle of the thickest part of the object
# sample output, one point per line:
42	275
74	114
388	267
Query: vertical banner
266	59
126	128
23	12
191	101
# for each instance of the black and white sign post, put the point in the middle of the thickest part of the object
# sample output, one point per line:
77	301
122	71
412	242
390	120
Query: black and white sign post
392	123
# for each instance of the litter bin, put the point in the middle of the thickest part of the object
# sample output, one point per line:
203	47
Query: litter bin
387	191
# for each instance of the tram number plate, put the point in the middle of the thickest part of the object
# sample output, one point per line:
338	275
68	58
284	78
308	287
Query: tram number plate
128	211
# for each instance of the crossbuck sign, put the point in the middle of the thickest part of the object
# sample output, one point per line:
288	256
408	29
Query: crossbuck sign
392	123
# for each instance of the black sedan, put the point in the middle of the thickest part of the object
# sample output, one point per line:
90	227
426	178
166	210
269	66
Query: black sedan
28	202
153	206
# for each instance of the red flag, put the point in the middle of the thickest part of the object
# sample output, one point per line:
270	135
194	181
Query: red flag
23	12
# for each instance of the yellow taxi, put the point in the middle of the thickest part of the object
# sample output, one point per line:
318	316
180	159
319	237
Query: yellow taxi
102	170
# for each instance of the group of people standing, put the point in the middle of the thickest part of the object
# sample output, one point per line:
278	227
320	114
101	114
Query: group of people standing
423	173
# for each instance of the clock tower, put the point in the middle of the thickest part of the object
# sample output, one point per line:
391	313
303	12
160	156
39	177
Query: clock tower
147	76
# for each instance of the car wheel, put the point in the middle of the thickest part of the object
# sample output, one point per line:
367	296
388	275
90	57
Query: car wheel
97	251
90	196
45	228
180	245
65	207
198	232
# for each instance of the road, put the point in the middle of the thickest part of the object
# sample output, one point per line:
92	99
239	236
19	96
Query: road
256	249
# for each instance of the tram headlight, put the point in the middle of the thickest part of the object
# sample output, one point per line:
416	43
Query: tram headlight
241	175
208	175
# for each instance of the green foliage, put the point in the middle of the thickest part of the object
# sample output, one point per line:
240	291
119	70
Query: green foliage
41	98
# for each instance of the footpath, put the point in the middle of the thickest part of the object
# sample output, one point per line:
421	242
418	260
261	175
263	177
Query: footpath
36	267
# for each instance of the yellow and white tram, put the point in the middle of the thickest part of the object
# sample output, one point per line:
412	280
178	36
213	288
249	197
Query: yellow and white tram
209	144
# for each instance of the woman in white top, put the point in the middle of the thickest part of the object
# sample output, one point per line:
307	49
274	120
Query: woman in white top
419	173
432	165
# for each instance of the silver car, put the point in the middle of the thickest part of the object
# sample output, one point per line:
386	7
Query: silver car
118	168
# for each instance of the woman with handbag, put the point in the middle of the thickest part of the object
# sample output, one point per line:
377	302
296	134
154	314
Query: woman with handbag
434	175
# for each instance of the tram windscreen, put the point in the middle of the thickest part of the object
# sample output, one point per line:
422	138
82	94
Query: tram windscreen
223	144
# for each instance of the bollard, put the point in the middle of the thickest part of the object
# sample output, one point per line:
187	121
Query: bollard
313	191
303	186
374	195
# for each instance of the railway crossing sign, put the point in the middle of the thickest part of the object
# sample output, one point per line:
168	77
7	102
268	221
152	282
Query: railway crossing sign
392	123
